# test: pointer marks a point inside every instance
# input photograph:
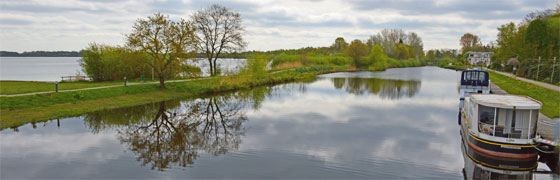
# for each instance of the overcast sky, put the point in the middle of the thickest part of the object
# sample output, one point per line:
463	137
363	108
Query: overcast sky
28	25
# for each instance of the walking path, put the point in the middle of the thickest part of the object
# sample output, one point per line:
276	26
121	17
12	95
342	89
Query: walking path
545	85
100	87
545	127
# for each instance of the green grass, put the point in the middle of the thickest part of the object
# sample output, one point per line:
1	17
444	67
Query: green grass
19	87
15	111
549	98
457	67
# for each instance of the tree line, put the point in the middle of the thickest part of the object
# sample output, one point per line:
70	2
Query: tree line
388	48
41	54
536	36
166	47
530	47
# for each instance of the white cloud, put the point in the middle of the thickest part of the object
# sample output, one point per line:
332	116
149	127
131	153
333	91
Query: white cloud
71	24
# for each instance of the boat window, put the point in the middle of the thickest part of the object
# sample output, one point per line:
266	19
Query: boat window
474	76
534	120
516	125
481	76
486	120
504	124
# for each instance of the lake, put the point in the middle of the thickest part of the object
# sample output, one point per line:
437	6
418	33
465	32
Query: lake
401	123
52	68
38	68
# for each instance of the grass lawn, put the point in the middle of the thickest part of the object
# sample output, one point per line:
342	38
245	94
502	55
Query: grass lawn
549	98
15	111
19	87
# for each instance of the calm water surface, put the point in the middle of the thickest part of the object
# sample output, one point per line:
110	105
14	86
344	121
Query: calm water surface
401	123
52	68
38	68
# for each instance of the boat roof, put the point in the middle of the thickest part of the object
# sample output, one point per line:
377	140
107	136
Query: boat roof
506	101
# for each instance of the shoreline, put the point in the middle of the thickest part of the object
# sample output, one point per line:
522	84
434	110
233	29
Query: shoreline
44	107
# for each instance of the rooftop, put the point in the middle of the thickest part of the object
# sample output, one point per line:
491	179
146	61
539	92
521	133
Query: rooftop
506	101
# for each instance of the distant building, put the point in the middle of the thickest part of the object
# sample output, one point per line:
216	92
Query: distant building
480	58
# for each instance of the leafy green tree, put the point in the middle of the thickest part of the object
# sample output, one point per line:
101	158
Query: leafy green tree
430	55
402	51
378	57
339	45
469	42
256	66
356	50
104	63
168	43
411	53
537	37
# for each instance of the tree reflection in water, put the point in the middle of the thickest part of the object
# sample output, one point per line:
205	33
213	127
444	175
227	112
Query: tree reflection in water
175	136
173	133
384	88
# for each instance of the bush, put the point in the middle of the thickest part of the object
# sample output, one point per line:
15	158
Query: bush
284	58
255	67
378	58
339	60
364	61
105	63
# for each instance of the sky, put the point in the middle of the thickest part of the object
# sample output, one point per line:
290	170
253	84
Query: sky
70	25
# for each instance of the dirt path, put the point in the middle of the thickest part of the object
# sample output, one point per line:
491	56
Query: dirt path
545	126
100	87
545	85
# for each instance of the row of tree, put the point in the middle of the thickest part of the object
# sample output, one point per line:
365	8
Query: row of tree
534	42
41	54
390	45
166	46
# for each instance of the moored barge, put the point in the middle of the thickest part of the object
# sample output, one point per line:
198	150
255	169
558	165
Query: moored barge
501	125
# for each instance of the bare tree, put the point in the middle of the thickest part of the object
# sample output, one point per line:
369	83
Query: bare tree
390	38
168	43
219	30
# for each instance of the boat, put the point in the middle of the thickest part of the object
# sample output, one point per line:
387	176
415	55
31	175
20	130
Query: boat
473	81
501	125
482	166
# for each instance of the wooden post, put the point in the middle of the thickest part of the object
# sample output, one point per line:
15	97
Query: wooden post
538	68
553	65
125	81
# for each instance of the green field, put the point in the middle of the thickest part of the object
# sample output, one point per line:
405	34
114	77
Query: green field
549	98
18	110
19	87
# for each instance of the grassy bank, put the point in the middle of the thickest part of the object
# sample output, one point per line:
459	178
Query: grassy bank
20	87
454	67
549	98
15	111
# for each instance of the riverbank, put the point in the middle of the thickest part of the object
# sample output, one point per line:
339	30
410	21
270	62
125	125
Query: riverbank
19	110
549	98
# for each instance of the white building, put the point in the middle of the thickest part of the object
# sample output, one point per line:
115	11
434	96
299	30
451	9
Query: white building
480	58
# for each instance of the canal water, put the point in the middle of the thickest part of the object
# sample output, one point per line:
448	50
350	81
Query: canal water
52	68
401	123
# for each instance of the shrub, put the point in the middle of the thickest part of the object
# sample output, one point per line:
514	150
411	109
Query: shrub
104	63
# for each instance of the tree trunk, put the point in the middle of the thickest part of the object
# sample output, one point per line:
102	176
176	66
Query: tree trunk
161	81
211	67
215	68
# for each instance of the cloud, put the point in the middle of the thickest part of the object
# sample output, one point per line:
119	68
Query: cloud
31	24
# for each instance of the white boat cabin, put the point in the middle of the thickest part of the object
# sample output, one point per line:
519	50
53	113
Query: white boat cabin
503	118
474	81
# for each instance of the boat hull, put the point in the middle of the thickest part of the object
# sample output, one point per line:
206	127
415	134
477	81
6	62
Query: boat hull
499	149
481	166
